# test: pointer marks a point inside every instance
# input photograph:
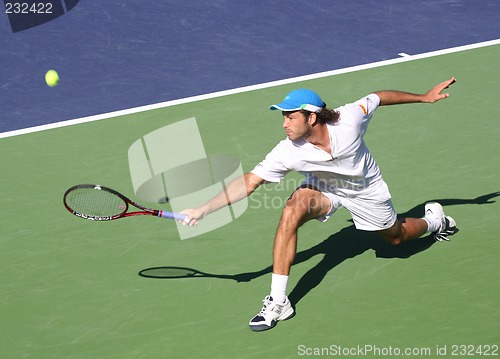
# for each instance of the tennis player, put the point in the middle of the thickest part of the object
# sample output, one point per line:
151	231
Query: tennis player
327	146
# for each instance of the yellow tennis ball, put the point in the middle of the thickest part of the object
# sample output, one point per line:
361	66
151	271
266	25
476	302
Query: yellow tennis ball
52	78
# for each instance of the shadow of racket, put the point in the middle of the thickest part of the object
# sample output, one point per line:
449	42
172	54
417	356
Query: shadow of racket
184	272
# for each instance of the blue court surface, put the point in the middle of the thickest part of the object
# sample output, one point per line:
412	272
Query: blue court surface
115	55
147	287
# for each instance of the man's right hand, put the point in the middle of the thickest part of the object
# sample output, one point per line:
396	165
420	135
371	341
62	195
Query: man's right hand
194	215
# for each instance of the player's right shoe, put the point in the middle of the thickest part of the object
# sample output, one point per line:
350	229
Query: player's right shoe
270	314
448	225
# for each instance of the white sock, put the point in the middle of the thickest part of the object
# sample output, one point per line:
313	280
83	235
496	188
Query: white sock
433	224
278	287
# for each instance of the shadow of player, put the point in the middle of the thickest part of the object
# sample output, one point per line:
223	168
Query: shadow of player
343	245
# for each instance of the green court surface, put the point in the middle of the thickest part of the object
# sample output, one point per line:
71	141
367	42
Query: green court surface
70	288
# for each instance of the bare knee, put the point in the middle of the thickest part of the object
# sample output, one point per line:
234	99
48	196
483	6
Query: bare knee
404	230
393	235
394	241
294	214
391	238
303	205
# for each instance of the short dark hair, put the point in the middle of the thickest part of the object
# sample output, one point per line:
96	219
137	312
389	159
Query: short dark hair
326	115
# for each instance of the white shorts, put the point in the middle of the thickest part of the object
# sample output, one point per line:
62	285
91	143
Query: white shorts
367	214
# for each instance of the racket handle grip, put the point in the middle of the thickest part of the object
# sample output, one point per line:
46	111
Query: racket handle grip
172	215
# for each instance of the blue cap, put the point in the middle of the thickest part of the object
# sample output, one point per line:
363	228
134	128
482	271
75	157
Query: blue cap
301	99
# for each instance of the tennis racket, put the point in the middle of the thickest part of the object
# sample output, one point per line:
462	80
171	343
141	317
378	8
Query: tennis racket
99	203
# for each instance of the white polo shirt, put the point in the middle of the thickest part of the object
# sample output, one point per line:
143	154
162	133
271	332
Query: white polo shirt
348	171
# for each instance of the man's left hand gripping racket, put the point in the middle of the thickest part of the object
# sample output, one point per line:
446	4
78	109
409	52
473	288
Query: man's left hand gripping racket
99	203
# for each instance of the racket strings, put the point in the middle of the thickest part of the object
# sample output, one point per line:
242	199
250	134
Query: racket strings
96	202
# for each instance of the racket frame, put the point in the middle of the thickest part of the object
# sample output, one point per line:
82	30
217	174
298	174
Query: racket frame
127	202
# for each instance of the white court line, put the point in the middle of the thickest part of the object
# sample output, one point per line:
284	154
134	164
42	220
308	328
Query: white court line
246	89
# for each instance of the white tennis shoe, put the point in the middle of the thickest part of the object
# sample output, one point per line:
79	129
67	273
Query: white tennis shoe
271	313
448	225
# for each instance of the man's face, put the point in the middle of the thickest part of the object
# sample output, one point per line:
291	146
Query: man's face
296	125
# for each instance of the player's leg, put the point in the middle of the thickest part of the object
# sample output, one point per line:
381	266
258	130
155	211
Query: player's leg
306	203
434	221
404	229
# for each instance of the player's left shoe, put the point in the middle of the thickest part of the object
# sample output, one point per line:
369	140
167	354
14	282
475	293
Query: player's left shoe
271	313
448	225
448	228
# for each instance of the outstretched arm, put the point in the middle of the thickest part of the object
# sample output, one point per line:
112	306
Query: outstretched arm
238	189
389	97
